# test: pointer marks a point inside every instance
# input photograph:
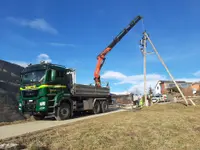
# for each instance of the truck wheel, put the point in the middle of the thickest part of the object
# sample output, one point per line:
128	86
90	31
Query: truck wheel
104	106
63	112
97	107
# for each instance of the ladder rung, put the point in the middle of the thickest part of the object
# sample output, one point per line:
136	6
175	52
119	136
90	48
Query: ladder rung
51	100
51	94
49	116
52	113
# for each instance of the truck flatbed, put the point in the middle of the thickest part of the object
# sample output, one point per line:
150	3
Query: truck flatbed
89	90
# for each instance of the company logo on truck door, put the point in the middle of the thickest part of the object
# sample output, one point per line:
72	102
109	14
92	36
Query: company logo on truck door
30	87
34	87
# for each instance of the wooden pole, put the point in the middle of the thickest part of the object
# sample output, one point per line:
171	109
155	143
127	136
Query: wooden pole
144	53
161	60
192	102
145	79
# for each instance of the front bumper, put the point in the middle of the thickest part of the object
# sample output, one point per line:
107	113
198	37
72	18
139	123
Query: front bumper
154	100
33	105
30	106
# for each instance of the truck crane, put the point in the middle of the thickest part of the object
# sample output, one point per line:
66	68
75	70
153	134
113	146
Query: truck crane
101	57
48	89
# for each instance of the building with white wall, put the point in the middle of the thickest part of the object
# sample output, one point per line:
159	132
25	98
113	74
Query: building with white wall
162	86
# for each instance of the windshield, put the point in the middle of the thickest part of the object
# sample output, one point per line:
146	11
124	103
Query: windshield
34	76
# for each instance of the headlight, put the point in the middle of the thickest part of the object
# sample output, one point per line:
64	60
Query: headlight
42	103
20	105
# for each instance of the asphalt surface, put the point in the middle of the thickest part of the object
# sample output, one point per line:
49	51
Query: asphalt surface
14	130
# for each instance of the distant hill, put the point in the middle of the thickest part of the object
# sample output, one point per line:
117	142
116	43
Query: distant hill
9	91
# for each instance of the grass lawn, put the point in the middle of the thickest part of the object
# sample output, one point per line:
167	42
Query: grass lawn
162	127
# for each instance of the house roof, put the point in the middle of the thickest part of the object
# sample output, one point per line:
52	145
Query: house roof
169	81
196	83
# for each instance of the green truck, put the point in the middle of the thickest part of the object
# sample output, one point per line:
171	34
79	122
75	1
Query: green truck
51	90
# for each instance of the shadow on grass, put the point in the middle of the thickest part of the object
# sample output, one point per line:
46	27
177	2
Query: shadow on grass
39	148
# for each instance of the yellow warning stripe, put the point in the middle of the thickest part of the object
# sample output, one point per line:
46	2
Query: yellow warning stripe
42	86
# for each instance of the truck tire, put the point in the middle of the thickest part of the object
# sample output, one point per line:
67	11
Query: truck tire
63	112
104	106
97	107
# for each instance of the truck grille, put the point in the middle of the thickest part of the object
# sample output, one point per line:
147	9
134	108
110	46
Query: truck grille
30	106
31	93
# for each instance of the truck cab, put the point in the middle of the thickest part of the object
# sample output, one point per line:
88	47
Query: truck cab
40	83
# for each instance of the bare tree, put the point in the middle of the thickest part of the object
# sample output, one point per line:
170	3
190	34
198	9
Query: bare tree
150	91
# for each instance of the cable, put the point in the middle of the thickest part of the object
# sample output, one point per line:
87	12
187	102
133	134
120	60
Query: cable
143	26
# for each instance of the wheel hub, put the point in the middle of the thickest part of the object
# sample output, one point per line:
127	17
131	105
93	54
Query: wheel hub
96	107
64	111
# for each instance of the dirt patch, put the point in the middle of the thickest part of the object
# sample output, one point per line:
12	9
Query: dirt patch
16	122
131	134
197	129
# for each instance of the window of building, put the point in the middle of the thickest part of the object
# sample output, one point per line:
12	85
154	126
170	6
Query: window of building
171	85
184	85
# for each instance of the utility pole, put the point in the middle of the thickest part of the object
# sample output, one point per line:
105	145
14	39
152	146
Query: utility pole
161	60
143	43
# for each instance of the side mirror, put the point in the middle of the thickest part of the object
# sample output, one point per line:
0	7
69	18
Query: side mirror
53	75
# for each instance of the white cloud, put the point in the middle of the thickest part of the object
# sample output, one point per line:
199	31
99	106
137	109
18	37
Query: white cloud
137	81
197	74
39	24
129	79
44	57
139	86
189	79
121	93
20	63
134	79
113	75
62	44
41	57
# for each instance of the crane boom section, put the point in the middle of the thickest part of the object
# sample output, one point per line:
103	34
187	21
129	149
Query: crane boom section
101	56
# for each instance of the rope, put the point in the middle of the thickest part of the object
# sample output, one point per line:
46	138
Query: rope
143	26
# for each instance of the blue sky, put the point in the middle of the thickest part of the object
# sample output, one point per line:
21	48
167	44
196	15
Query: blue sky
74	32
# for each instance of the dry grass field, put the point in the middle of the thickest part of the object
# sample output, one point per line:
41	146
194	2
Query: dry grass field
170	126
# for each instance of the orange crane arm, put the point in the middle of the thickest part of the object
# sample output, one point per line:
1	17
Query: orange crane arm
101	57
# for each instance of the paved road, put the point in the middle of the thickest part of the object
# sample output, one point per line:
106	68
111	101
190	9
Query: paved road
23	128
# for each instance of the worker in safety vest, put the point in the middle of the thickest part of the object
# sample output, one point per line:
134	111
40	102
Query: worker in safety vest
141	103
